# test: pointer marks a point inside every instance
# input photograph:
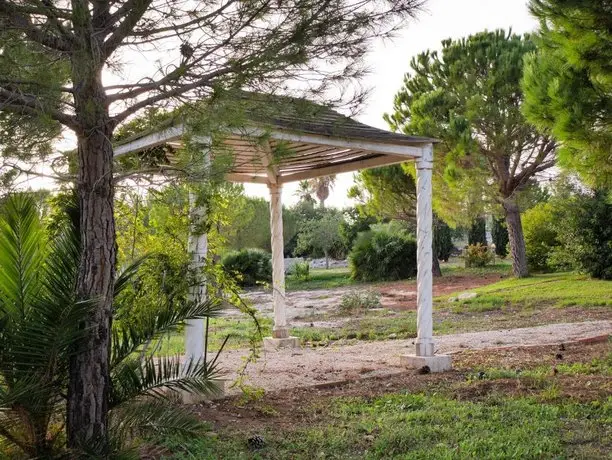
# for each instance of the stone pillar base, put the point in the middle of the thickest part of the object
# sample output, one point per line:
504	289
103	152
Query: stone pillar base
280	332
192	398
436	363
271	343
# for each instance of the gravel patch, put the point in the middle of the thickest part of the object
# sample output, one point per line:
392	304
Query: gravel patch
290	368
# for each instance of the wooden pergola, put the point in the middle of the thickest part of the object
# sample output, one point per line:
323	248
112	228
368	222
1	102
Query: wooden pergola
314	143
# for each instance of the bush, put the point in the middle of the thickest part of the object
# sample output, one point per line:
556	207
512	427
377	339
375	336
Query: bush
477	255
360	300
383	254
499	235
301	271
571	232
541	239
477	233
443	240
585	234
252	266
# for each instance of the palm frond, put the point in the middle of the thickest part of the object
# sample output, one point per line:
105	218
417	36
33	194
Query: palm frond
162	378
152	416
129	338
126	275
21	238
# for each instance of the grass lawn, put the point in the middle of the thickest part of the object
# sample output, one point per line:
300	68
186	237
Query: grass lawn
556	290
321	279
503	413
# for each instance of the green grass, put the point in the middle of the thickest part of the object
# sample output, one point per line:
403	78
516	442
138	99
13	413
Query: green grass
372	326
424	426
321	279
240	330
550	290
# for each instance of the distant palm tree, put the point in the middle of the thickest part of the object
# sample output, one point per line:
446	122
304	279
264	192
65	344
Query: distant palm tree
305	192
322	186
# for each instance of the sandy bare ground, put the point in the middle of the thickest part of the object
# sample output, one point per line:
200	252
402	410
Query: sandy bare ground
290	368
304	307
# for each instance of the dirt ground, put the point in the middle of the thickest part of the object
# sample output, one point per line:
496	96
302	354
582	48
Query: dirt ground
355	360
399	295
285	408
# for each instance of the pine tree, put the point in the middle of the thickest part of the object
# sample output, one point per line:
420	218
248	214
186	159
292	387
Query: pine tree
469	96
568	83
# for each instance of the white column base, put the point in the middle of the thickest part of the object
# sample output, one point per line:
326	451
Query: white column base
437	363
274	344
424	348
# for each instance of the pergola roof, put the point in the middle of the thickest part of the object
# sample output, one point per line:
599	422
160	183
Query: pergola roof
302	140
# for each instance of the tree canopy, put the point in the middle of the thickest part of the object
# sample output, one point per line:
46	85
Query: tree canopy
469	96
568	83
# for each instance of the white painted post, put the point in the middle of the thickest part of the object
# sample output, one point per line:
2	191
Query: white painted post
424	341
198	248
424	357
280	330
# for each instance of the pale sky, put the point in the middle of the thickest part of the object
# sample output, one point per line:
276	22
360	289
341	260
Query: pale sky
389	61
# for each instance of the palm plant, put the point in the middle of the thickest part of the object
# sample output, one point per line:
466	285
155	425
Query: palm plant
304	192
39	323
322	187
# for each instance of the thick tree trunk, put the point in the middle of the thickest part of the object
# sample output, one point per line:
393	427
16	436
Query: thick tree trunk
517	241
89	383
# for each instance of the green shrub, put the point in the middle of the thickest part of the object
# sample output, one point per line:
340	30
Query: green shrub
585	234
301	271
251	266
360	300
499	235
443	240
541	239
383	254
477	255
477	233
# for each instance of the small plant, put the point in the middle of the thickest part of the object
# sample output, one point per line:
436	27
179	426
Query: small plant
301	271
360	300
477	255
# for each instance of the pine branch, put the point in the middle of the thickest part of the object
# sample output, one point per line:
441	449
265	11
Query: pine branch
132	10
23	104
19	20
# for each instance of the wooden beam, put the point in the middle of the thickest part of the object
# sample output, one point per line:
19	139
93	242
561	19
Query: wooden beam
372	146
348	166
236	177
150	140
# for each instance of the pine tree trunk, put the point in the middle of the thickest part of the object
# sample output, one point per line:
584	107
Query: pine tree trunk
89	378
517	241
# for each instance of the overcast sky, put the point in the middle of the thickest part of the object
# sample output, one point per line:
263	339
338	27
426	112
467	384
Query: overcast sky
389	61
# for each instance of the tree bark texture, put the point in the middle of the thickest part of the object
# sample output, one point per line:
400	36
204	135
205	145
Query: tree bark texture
517	240
89	383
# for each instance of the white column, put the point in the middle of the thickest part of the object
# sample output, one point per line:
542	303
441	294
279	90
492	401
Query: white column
280	330
198	248
424	341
